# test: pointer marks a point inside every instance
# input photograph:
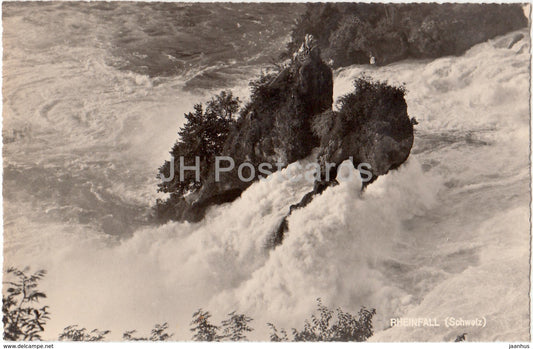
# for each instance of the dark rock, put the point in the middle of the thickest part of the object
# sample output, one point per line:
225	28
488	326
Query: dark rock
289	115
275	127
372	127
196	211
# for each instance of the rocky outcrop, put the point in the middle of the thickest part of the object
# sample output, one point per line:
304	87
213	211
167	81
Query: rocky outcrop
290	114
372	127
274	128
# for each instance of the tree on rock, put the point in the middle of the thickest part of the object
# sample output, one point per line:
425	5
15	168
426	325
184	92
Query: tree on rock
236	326
158	334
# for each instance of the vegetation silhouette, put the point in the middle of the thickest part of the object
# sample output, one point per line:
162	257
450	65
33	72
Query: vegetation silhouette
22	319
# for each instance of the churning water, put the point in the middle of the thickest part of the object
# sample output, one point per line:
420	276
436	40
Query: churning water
91	107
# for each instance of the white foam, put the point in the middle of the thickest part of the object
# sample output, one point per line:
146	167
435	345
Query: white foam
413	236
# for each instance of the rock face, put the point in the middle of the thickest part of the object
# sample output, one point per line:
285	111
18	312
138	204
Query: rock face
274	128
372	127
290	114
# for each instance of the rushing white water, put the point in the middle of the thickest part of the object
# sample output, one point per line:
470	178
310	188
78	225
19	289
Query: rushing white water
445	235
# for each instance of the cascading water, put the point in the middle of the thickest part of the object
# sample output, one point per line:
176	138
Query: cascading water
445	235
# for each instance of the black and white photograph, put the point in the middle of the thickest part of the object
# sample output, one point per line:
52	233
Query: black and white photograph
265	172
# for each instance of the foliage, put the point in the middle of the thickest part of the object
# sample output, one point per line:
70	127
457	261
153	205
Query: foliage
259	87
350	33
369	100
22	320
276	336
72	333
158	334
322	124
203	330
366	97
320	328
235	328
203	135
318	20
